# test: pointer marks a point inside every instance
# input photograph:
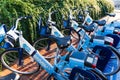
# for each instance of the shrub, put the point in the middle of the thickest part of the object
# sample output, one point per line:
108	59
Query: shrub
12	9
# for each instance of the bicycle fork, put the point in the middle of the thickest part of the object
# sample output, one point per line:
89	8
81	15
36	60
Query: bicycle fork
20	57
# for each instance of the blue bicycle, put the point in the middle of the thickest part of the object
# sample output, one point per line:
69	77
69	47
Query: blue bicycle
15	58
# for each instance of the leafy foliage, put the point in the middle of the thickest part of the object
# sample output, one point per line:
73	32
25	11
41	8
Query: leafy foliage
10	10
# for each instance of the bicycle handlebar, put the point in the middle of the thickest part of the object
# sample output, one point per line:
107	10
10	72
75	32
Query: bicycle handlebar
49	18
20	18
75	9
50	22
70	13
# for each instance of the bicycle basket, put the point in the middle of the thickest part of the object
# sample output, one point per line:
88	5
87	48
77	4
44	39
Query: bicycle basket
2	32
104	56
80	74
44	30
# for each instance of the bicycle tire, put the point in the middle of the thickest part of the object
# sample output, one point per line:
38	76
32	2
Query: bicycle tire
49	50
117	55
9	61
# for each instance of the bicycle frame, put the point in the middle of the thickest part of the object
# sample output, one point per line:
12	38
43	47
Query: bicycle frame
36	55
31	50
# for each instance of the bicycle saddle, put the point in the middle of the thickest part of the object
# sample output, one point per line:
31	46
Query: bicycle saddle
61	42
12	76
111	14
100	22
101	40
89	28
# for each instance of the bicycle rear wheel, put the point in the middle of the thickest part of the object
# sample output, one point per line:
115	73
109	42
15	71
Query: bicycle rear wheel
10	60
45	46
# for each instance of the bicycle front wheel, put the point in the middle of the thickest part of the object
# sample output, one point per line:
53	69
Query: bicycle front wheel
10	60
47	46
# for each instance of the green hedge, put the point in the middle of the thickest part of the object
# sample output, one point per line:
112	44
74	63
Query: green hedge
10	10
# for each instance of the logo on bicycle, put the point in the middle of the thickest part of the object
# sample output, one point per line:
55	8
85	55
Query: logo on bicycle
75	26
89	20
26	48
57	34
